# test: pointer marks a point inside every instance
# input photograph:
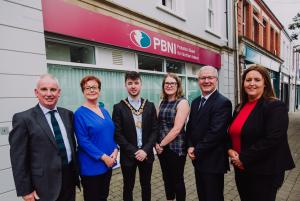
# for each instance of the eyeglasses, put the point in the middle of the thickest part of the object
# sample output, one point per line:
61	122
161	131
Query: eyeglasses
90	88
172	84
209	78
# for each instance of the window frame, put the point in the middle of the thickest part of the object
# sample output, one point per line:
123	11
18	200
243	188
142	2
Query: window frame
210	8
152	56
210	15
164	67
69	44
183	69
176	8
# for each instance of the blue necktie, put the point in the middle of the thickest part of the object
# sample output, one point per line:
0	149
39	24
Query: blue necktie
202	101
59	138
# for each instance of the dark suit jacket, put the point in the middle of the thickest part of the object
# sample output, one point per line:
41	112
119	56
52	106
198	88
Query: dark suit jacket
35	159
125	132
264	143
206	131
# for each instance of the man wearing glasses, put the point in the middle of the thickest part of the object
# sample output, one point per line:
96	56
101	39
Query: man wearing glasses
42	147
206	133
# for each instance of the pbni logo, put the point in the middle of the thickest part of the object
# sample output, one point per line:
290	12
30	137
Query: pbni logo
140	38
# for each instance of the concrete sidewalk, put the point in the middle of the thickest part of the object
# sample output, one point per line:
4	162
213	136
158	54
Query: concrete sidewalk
290	191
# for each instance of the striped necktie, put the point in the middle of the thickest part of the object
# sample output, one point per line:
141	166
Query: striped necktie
59	138
202	101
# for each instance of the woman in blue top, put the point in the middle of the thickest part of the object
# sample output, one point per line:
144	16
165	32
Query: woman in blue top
97	150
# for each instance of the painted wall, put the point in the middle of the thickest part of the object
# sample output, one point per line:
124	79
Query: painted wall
289	68
226	77
190	16
286	53
22	58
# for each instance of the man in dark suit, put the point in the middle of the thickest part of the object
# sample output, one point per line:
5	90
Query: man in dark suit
206	131
42	147
136	132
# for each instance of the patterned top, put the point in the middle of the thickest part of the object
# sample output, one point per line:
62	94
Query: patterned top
166	119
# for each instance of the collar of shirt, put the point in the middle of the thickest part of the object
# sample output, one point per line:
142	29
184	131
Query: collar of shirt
61	126
46	110
207	96
135	103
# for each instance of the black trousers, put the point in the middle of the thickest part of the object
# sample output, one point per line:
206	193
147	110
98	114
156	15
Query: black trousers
172	167
96	188
145	172
210	186
253	187
67	192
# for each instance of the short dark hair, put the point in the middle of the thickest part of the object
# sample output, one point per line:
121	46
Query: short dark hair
87	78
133	75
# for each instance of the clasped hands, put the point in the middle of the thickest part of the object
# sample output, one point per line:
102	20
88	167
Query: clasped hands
235	160
140	155
110	160
191	153
31	196
159	149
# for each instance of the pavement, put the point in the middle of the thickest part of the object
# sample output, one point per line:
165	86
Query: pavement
290	190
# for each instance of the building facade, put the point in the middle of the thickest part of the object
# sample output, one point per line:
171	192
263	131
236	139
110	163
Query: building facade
153	37
23	59
73	38
287	72
259	38
296	64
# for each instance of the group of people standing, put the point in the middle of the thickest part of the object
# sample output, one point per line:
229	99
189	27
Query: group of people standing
43	145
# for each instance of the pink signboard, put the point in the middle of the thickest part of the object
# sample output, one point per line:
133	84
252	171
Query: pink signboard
71	20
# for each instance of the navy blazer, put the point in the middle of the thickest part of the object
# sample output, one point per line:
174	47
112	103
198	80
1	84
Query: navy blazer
125	132
264	141
206	131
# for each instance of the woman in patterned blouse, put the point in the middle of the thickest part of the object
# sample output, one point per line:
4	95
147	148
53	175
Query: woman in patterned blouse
171	145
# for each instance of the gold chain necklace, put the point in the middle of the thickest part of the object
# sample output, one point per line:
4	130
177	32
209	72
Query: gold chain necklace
133	110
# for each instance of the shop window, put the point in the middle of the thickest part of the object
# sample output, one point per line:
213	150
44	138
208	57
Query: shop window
193	89
152	86
112	90
150	63
70	52
192	69
175	67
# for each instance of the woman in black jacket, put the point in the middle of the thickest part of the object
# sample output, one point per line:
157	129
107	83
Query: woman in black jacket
258	134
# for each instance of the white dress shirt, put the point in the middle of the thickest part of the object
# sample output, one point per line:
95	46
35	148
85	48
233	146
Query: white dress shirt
61	126
137	104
